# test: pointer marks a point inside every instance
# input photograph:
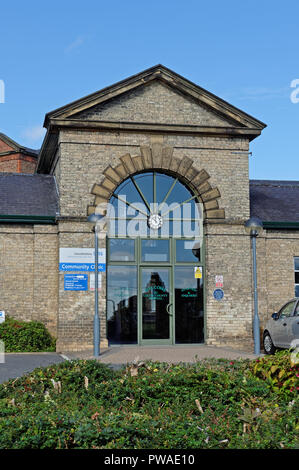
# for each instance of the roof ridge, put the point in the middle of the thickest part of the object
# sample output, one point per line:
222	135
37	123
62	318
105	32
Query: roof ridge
9	141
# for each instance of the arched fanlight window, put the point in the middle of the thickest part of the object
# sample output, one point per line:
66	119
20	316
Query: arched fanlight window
154	204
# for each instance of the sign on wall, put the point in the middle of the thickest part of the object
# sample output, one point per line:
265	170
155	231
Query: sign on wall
218	294
219	281
76	282
2	316
197	272
81	259
92	281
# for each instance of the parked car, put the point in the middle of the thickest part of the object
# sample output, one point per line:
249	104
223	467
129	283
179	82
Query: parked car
282	330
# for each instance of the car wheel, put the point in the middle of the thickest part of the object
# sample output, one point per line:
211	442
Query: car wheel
269	347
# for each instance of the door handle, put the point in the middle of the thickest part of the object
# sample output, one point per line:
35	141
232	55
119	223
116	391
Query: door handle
167	309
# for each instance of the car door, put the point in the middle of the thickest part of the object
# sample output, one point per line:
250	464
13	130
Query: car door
280	331
293	325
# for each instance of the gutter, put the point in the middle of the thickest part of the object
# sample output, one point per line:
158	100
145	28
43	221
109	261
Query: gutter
281	225
27	219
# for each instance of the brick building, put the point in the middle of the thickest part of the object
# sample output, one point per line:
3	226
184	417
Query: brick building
148	141
15	158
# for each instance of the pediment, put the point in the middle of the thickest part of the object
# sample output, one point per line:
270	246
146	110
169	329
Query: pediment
155	102
157	95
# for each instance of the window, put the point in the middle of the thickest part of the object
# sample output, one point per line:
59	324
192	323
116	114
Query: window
121	249
154	250
154	203
188	250
296	262
122	304
287	310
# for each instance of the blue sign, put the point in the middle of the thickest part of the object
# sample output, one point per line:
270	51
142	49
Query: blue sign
218	294
81	259
86	267
76	282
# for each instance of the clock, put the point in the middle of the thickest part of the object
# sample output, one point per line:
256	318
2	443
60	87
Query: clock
155	221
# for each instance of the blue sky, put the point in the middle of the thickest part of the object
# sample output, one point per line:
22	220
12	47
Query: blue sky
244	52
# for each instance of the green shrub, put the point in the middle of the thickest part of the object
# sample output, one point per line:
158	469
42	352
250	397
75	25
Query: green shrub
279	371
151	405
21	336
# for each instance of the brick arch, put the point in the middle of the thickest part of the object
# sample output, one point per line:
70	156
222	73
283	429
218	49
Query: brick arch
159	157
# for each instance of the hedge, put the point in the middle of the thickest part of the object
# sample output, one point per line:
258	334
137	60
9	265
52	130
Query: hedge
21	336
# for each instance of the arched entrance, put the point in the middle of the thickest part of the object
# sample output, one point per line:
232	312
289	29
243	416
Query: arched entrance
155	257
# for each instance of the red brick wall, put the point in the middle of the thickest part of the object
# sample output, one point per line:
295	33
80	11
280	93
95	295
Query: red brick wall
17	163
8	166
28	166
4	147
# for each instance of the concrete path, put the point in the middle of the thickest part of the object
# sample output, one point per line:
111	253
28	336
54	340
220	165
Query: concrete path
16	365
172	354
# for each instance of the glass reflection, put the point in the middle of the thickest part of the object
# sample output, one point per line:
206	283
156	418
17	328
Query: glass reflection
188	306
154	250
150	193
122	304
121	249
187	250
155	298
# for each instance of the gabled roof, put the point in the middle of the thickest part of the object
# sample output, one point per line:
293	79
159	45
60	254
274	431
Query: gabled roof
17	147
240	124
275	201
169	77
28	195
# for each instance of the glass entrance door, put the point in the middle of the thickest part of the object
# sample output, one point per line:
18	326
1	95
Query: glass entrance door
156	325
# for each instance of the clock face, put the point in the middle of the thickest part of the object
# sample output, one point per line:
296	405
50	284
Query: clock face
155	221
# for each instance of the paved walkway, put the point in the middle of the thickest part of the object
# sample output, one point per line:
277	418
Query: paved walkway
172	354
16	365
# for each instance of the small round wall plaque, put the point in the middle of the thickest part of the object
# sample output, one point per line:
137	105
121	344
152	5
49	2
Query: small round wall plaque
218	294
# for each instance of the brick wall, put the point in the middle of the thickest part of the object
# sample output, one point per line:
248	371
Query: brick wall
84	156
275	267
17	163
28	273
76	308
155	103
14	161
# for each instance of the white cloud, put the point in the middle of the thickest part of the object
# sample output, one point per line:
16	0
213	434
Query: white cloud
257	93
75	44
34	133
